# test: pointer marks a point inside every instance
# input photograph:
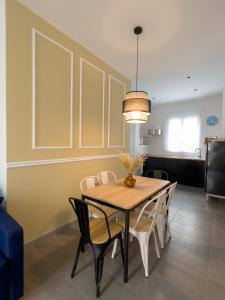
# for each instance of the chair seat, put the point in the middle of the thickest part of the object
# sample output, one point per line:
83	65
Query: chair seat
143	224
99	232
98	214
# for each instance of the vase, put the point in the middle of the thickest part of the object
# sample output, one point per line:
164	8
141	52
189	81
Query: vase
130	181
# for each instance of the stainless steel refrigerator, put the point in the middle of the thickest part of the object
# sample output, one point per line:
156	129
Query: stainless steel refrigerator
215	169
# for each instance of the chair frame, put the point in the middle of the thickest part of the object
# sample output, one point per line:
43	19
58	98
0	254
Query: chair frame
143	236
163	218
100	176
162	222
81	210
162	172
84	180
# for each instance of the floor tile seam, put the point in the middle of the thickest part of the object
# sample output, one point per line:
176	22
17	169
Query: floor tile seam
171	219
41	288
188	225
189	269
36	291
189	213
207	273
180	244
79	289
187	222
189	233
139	291
189	246
217	279
180	231
50	264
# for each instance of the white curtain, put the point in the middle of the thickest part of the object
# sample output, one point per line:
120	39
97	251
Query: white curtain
183	134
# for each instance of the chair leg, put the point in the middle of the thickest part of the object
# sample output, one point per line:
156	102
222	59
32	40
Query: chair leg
156	244
131	237
114	248
160	227
76	258
82	247
168	228
143	243
99	260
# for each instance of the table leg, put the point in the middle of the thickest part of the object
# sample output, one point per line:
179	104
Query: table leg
82	244
126	242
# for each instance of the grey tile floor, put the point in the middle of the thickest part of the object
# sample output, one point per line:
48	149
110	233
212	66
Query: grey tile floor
192	265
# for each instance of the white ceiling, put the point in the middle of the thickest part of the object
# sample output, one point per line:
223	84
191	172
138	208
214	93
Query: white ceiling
180	38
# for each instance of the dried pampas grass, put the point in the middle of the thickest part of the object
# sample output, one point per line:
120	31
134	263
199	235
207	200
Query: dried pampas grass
132	162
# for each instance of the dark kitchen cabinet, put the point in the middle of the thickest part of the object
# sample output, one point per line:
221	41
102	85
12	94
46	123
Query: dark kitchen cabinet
184	171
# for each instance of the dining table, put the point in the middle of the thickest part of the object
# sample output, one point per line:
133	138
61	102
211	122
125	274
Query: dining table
116	195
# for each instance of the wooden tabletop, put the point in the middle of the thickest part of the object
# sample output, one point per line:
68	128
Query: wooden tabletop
117	194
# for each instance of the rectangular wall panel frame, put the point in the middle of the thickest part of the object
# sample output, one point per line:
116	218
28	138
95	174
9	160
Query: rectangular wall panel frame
34	146
82	60
124	87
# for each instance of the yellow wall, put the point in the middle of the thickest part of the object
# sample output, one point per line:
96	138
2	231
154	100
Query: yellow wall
51	82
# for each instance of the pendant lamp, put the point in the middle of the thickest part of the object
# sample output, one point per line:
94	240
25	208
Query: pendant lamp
136	105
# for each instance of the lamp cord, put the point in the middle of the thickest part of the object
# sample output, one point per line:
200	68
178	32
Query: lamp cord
137	66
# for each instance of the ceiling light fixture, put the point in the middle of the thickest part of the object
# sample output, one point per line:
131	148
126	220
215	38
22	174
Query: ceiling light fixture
136	106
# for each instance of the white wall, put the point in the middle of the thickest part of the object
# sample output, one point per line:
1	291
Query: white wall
162	112
2	100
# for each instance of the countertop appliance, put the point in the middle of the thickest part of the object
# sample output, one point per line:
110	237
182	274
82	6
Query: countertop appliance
215	169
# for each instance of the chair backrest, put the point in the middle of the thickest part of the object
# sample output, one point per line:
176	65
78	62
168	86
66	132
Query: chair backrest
89	182
106	176
158	174
81	210
157	200
169	191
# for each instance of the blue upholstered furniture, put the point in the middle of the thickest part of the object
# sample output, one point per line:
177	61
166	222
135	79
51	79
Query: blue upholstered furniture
11	257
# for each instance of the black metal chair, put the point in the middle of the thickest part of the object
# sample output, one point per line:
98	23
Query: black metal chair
98	233
159	174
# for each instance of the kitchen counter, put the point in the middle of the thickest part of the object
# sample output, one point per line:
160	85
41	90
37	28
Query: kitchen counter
185	170
178	157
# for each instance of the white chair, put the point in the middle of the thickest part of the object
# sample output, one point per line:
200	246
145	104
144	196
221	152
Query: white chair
162	222
106	176
91	182
163	218
142	226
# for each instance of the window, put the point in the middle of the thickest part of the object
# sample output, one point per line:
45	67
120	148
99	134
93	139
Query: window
183	134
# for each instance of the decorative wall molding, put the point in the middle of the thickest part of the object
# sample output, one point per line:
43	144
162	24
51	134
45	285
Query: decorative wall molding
34	33
109	104
22	164
82	60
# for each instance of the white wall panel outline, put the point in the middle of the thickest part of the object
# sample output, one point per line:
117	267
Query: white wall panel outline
34	146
